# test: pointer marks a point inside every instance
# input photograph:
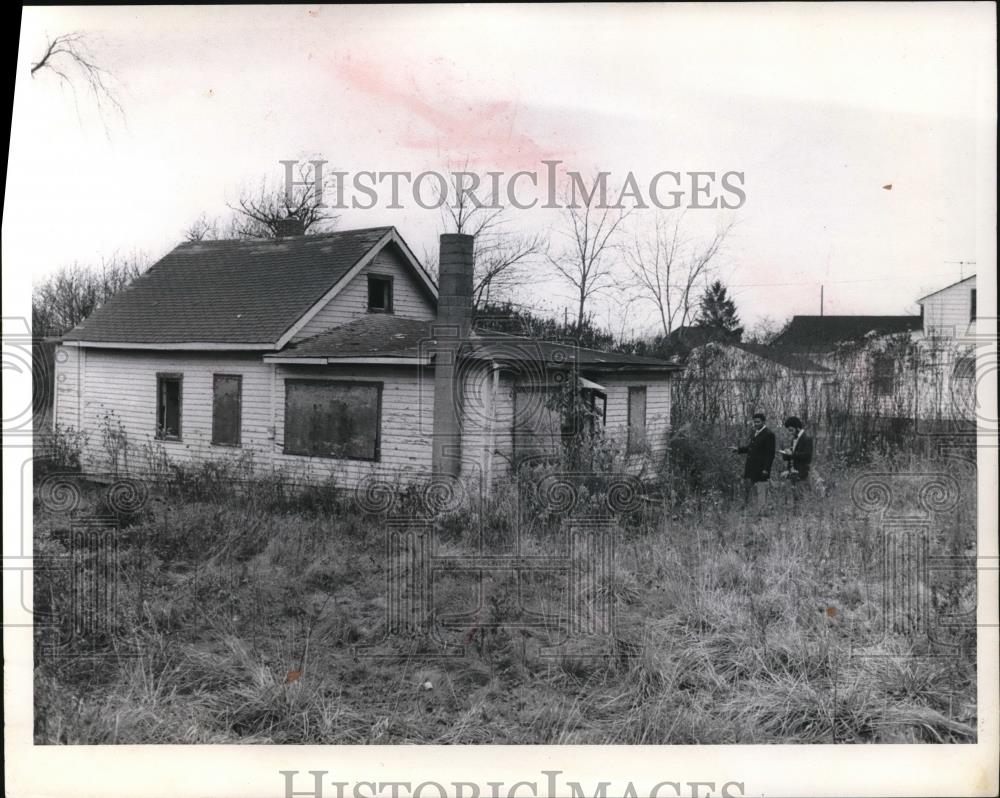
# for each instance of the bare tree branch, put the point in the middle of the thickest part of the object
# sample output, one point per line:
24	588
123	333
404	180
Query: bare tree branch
585	263
68	57
261	212
667	268
500	255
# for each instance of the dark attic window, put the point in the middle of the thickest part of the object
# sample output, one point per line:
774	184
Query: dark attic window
379	294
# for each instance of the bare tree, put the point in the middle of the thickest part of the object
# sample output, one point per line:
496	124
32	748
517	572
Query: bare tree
68	57
264	210
668	267
66	298
202	229
260	212
500	255
585	262
765	331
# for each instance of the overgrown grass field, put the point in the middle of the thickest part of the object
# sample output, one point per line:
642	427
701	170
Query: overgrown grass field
248	616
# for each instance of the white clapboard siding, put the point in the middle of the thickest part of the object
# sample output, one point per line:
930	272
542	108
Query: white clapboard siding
68	386
100	390
658	397
948	312
119	387
657	415
409	299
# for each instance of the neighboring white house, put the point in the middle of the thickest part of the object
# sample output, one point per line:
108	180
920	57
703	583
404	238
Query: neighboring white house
950	312
949	339
918	367
322	354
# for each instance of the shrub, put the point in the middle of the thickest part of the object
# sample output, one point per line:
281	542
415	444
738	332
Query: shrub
60	449
700	462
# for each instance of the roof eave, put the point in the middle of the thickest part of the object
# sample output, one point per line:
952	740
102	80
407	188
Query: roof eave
365	360
187	346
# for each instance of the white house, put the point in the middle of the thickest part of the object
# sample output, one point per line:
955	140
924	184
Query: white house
331	355
950	312
917	367
949	339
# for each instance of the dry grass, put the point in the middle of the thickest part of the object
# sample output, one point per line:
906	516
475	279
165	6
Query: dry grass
240	624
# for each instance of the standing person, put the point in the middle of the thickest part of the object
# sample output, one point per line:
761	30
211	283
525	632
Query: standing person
798	456
760	454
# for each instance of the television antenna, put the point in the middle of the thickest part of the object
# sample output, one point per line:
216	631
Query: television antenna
961	266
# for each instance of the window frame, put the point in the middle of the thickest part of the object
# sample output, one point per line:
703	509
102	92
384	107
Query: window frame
387	280
633	446
161	377
379	386
239	410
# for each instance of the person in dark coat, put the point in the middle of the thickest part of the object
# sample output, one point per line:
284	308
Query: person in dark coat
798	456
760	455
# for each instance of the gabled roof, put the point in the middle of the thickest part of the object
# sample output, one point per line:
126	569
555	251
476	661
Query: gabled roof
385	338
823	333
236	294
932	293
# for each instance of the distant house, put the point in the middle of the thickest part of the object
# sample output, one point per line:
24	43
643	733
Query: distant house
822	337
904	367
331	355
727	381
950	312
949	338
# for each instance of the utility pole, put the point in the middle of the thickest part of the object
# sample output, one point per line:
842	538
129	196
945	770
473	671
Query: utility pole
821	300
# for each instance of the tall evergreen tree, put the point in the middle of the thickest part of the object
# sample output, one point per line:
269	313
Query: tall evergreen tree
718	311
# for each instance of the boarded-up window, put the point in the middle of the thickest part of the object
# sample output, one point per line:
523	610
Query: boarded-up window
636	418
379	294
883	374
325	418
168	406
227	392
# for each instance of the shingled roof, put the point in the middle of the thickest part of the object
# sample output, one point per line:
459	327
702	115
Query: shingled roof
377	335
381	336
824	333
239	293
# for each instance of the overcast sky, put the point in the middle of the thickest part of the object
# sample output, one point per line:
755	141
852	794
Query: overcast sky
819	107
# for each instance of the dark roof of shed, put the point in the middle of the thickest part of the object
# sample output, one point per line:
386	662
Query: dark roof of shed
823	333
228	292
380	335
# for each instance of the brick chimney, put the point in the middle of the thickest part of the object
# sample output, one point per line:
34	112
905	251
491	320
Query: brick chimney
454	322
290	226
